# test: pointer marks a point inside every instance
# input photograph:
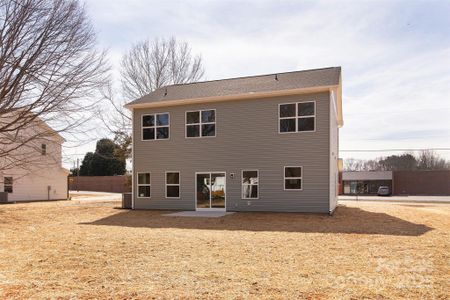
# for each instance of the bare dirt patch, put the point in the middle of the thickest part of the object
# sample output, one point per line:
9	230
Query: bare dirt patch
87	250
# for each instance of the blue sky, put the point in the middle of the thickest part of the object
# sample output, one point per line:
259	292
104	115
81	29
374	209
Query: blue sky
395	55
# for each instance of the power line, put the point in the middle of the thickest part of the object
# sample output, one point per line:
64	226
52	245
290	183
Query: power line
393	150
397	112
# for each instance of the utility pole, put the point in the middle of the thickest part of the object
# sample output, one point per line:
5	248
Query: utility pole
78	174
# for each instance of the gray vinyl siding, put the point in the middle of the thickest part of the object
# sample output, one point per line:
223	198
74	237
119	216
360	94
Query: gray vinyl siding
246	138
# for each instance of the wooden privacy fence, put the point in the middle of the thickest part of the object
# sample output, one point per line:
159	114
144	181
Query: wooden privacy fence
421	182
111	184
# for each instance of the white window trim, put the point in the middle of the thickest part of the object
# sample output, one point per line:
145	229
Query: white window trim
154	126
173	184
297	117
225	189
200	124
244	184
143	184
301	178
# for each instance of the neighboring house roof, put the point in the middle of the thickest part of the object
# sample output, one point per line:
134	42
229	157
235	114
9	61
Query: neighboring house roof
37	122
51	131
278	84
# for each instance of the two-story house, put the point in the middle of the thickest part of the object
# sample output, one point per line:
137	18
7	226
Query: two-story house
30	164
258	143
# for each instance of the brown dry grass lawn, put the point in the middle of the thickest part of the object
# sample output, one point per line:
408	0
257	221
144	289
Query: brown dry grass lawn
71	249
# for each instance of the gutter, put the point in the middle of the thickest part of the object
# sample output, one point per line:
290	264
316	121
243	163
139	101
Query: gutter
250	95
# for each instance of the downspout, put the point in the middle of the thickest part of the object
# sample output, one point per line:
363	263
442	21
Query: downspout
132	158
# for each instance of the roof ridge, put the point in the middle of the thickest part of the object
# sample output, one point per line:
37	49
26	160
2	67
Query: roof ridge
254	83
249	76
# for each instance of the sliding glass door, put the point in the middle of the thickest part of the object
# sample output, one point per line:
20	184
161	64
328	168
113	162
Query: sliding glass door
203	190
210	189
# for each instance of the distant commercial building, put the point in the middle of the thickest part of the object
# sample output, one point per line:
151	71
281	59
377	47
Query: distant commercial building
399	182
365	182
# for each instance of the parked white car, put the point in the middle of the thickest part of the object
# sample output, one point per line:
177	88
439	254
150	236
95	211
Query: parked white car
384	191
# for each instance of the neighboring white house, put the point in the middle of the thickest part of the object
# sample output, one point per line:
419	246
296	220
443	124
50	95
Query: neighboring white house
34	171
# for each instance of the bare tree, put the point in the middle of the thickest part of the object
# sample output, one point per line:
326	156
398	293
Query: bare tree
353	164
153	64
425	160
429	160
49	68
117	121
148	65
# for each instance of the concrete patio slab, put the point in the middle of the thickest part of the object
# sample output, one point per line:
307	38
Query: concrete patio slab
200	214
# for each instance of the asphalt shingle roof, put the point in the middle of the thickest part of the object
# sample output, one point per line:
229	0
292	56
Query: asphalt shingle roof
242	85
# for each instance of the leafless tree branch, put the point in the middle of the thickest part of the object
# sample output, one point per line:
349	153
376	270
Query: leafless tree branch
148	65
49	69
153	64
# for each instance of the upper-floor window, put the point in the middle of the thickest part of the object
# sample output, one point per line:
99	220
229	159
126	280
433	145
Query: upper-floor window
44	149
8	184
201	123
297	117
155	126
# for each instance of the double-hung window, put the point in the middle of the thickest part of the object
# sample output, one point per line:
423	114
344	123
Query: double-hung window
250	183
293	178
297	117
143	185
155	126
201	123
172	184
8	184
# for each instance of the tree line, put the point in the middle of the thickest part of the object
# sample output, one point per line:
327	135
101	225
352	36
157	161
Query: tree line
425	160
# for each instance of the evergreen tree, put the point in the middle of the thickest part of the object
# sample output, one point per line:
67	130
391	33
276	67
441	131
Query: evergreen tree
104	161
